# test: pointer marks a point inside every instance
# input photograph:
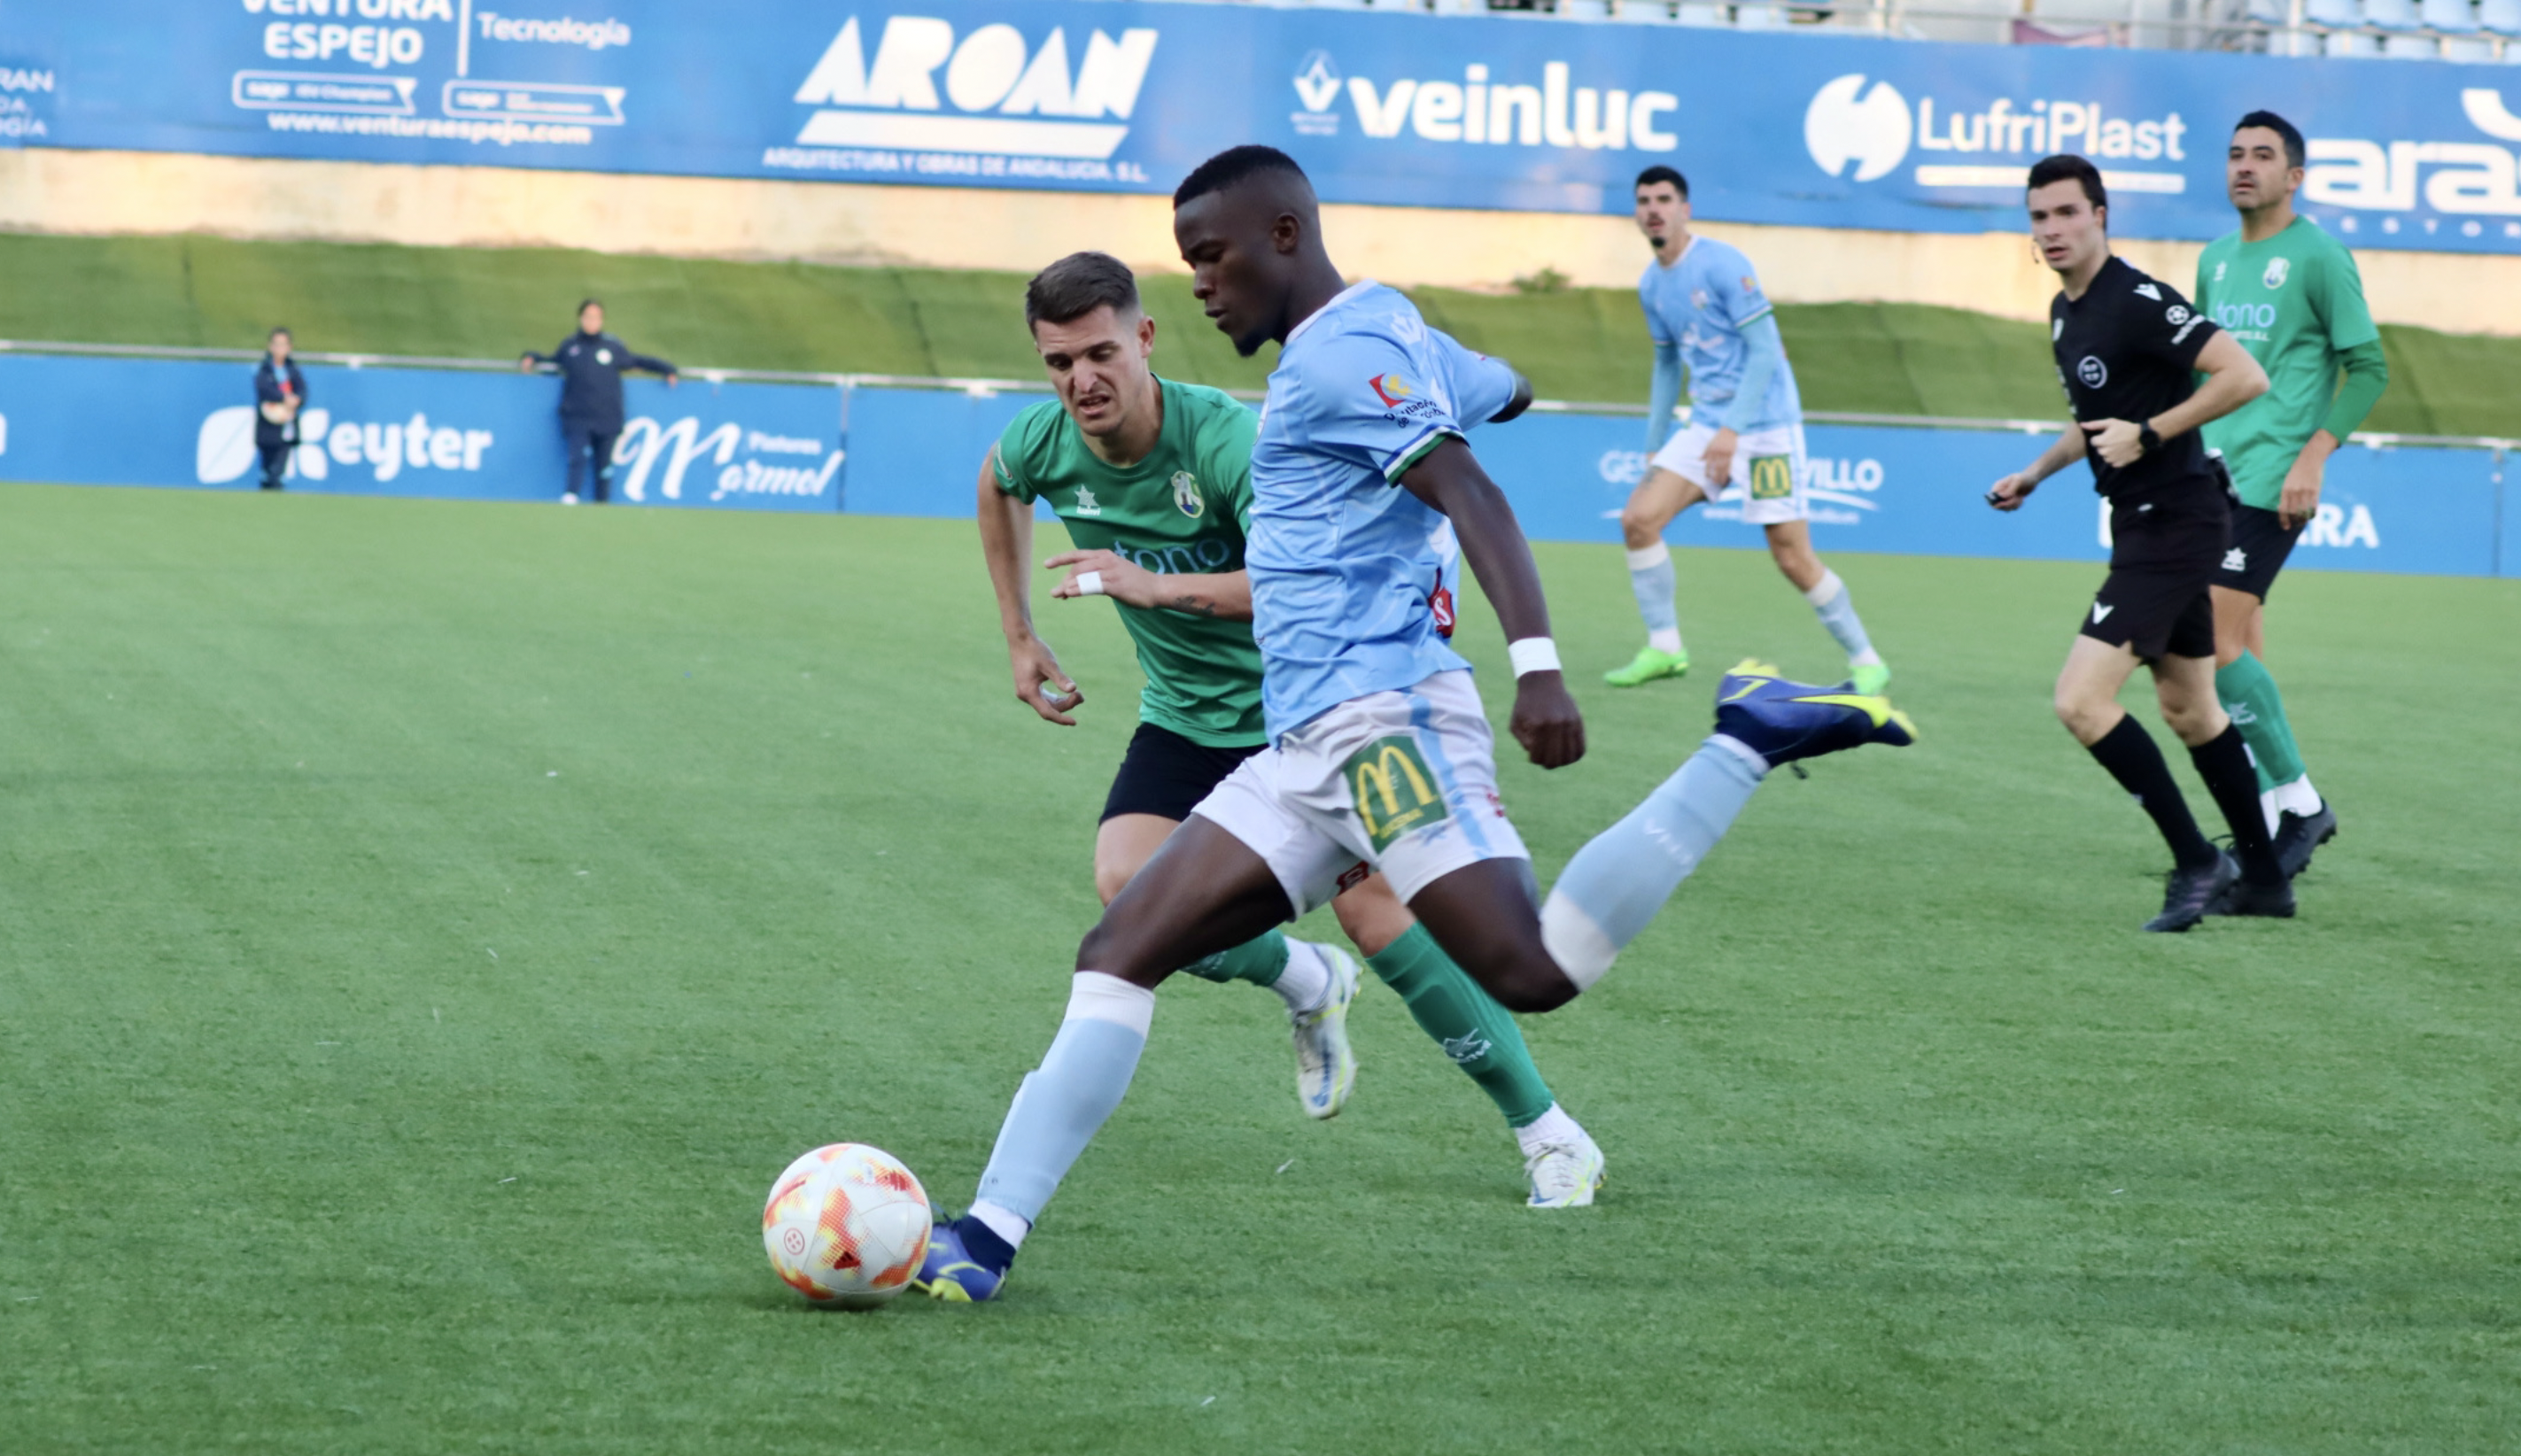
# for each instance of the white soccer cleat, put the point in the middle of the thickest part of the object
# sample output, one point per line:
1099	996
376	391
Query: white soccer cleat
568	497
1564	1174
1325	1063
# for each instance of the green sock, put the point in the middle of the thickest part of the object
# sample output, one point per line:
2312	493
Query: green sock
2250	695
1463	1019
1260	960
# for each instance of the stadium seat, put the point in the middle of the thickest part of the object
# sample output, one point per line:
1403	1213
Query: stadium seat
1642	12
2473	49
2390	14
2410	48
1762	15
2447	16
1584	10
2501	17
1696	13
2349	43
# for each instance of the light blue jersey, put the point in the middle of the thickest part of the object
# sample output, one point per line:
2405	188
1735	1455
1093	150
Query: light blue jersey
1703	302
1351	575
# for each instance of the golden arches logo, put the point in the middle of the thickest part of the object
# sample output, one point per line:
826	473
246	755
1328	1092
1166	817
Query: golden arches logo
1394	792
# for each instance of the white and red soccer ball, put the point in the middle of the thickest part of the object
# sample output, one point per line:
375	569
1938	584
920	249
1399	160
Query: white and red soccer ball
846	1226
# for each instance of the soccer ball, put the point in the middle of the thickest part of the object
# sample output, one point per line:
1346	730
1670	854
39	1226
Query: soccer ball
846	1226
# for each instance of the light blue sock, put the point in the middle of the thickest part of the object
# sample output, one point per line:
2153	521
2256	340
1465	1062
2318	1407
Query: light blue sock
1617	883
1836	608
1651	577
1066	1099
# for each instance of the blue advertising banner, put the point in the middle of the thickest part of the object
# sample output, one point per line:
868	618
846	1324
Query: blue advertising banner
1815	128
897	451
413	432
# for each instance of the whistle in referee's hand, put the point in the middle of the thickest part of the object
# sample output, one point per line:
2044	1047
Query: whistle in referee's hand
1992	498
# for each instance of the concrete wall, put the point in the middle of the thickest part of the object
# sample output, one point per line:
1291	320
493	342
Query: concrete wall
55	190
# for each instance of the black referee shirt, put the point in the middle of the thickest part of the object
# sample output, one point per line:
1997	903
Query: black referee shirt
2127	351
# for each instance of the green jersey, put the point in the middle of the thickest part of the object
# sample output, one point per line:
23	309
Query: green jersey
2296	302
1183	509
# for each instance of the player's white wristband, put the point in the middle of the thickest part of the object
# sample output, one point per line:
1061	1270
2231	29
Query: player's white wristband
1089	583
1533	655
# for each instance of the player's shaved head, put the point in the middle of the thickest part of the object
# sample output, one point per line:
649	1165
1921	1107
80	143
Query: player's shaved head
1249	225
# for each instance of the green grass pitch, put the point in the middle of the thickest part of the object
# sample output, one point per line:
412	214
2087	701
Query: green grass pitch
425	927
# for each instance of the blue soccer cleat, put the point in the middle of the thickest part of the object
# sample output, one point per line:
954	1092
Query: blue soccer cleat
1782	721
955	1272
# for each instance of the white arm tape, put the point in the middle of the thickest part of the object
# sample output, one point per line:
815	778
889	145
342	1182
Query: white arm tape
1089	583
1533	655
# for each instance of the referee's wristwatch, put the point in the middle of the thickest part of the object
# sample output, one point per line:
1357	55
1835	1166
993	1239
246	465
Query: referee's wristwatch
2146	439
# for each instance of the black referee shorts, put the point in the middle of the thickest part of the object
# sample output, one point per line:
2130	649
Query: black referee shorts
2155	601
2258	547
1167	775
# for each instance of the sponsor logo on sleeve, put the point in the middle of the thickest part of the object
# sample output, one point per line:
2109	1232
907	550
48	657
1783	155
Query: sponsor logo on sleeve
1391	389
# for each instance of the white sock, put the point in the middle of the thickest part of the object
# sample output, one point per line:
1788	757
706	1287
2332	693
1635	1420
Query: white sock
1551	1126
1665	640
1004	1222
2298	797
1305	984
2271	803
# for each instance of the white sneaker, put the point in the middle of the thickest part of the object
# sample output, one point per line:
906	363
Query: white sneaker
1326	1065
568	497
1564	1174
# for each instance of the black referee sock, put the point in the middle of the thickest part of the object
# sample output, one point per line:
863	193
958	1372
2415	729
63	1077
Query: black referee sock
2223	762
2129	754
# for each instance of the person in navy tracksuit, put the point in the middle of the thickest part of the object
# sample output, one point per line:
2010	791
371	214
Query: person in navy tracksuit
590	363
279	397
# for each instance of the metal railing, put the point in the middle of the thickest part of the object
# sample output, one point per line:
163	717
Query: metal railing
984	388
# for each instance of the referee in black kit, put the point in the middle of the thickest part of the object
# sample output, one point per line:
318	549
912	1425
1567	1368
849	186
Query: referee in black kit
590	362
2127	350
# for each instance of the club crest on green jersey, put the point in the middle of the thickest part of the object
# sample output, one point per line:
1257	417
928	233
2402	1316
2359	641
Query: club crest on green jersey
1187	495
2275	275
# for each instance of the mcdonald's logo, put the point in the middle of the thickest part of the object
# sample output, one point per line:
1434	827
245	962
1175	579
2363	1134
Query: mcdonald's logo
1772	477
1394	794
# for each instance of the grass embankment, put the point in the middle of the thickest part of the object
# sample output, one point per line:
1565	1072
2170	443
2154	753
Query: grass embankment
1581	343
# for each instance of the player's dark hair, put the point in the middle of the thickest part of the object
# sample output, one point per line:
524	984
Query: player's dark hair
1661	173
583	304
1230	166
2067	167
1077	285
277	330
2294	150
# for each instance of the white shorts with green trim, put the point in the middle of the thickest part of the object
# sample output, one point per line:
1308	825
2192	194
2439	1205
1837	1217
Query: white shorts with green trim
1767	477
1403	781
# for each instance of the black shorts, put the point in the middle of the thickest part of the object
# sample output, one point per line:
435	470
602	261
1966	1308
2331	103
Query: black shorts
2163	558
2258	549
1167	775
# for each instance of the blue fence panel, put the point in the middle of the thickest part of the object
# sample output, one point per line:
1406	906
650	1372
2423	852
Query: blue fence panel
891	451
413	433
1826	130
918	452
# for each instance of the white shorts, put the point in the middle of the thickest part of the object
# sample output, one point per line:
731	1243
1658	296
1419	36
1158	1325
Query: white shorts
1403	781
1768	479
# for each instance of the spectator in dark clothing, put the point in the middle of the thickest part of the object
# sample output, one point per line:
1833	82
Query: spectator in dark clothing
590	363
279	396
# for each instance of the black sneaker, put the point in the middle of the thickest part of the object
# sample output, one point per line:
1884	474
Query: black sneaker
2241	897
2297	836
2188	892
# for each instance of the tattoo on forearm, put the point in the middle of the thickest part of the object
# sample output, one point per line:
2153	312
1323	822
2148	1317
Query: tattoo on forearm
1191	602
